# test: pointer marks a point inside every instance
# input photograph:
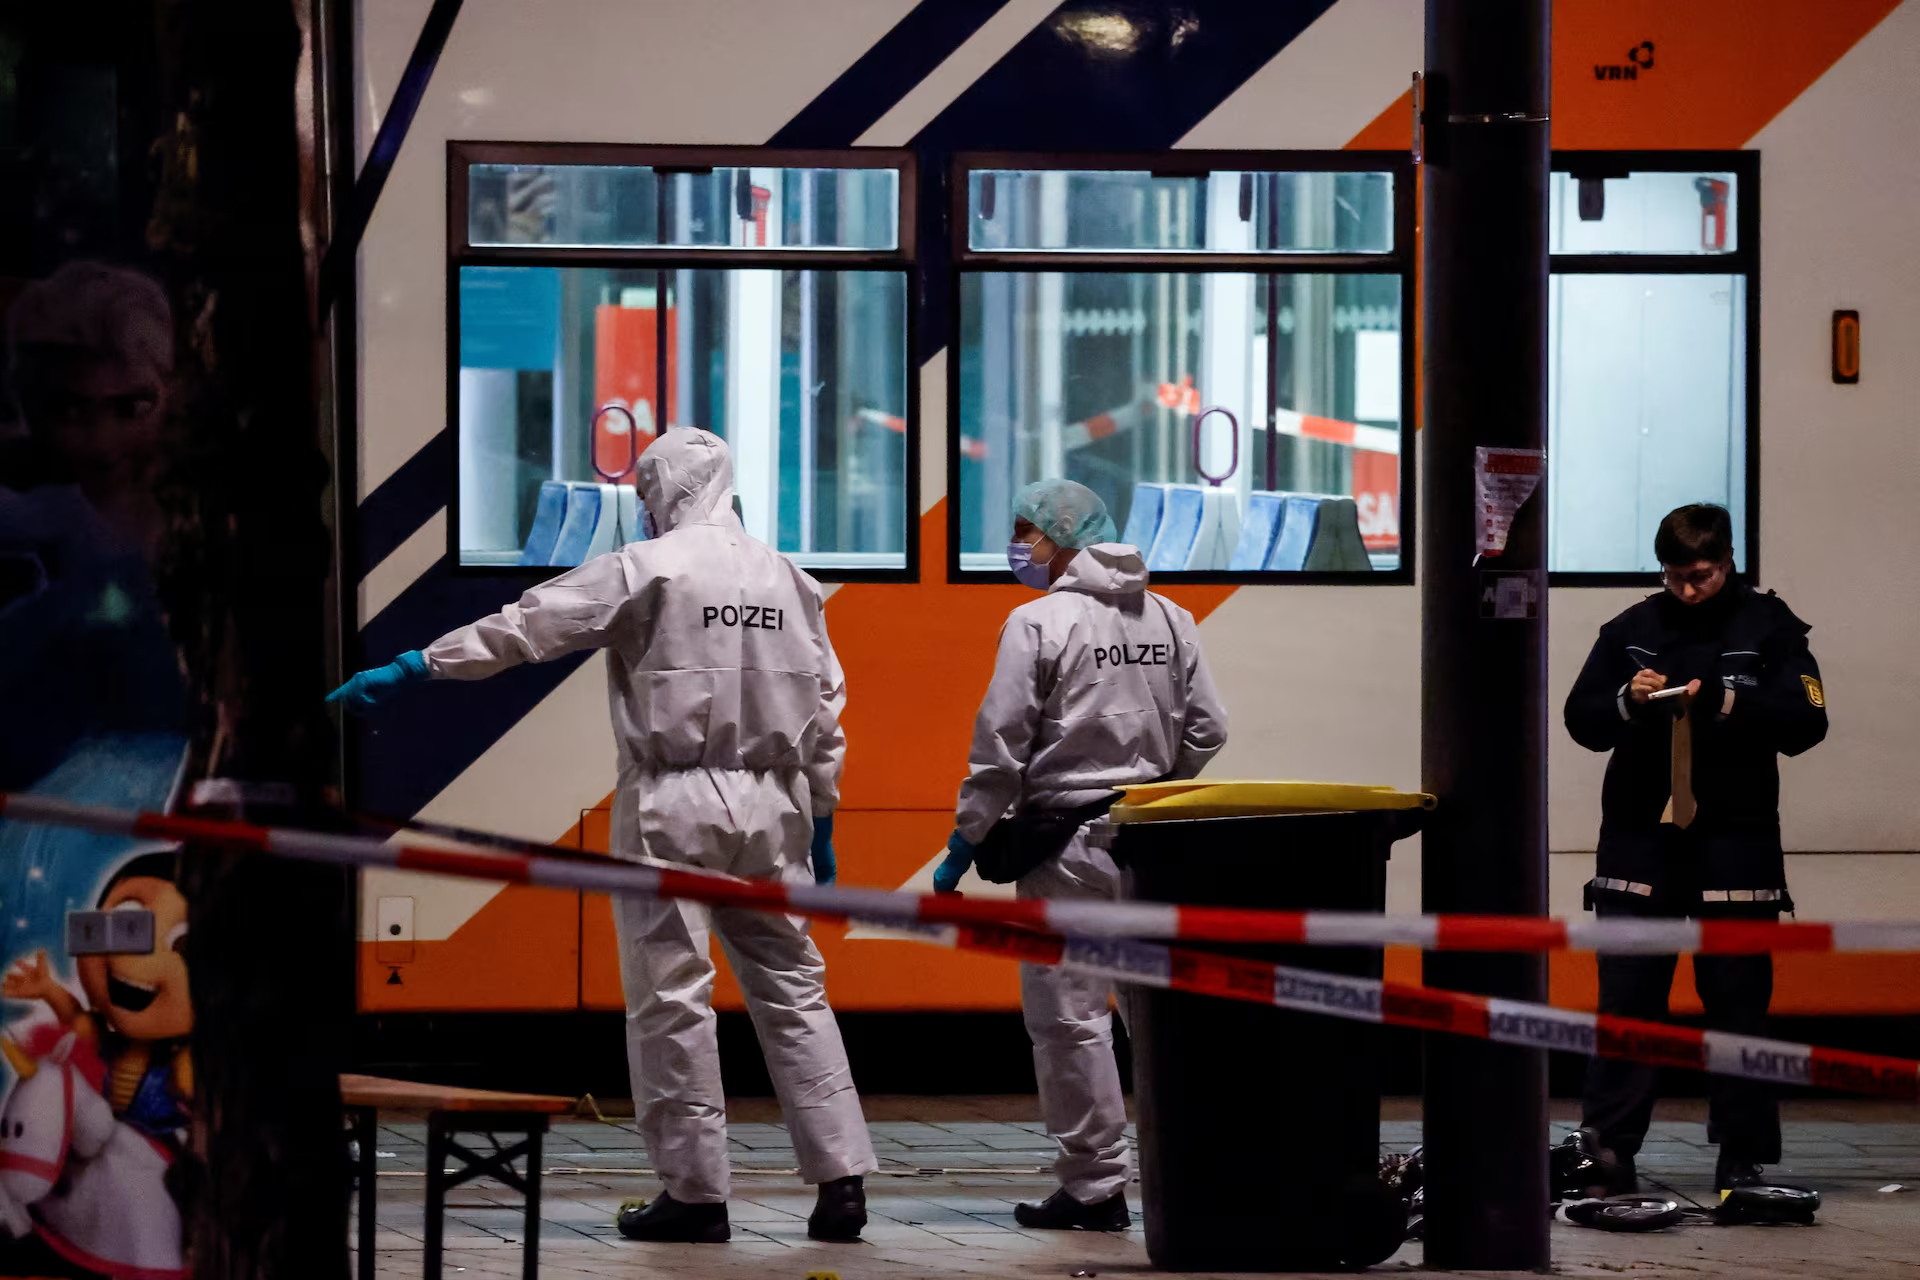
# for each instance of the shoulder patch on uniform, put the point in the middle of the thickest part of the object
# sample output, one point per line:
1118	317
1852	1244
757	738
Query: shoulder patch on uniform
1815	694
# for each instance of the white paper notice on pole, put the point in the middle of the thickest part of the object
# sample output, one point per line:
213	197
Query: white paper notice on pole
1503	480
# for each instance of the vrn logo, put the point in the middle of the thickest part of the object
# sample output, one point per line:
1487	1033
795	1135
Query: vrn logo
1639	58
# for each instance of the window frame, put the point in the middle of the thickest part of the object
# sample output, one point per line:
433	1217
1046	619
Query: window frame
1743	260
901	260
1400	260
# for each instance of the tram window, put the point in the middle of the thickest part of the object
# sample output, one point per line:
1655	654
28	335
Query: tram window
1104	314
1110	365
1116	210
603	293
1651	308
1679	212
619	206
1646	387
802	372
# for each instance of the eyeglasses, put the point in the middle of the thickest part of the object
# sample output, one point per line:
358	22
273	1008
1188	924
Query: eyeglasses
1695	578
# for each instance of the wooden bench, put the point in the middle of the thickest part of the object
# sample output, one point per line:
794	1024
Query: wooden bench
450	1112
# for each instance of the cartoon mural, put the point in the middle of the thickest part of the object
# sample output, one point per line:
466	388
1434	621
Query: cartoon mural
137	1012
102	1087
76	1180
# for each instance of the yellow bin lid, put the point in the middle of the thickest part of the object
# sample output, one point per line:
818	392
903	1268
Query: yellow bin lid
1167	801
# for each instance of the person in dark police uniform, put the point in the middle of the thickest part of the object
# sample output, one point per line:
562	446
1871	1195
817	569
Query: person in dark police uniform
1690	815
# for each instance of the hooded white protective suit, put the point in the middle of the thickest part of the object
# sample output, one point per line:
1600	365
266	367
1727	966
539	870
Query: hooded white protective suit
1098	684
726	700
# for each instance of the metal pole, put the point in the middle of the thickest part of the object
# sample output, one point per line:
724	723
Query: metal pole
809	377
1273	337
1483	652
663	235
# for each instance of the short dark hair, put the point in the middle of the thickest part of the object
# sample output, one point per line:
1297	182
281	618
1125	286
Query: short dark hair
1690	534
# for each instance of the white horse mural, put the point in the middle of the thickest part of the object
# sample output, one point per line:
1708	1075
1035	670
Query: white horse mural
90	1186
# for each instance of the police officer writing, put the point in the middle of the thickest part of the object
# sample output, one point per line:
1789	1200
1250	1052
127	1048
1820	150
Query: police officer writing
1098	684
1696	691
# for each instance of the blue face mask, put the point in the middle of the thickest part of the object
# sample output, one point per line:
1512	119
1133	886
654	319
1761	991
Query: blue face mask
647	531
1029	574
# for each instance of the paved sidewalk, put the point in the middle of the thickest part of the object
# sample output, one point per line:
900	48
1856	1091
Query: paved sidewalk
952	1169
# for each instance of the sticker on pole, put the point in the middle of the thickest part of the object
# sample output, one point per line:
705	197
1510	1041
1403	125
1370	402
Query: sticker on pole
1503	480
1509	595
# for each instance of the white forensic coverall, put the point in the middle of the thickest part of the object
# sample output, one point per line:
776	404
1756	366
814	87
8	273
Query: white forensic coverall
726	700
1098	684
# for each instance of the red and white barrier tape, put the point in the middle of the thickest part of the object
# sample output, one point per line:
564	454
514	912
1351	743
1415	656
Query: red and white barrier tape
534	864
1429	1009
1307	426
1020	931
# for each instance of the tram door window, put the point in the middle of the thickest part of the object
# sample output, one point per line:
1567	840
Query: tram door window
600	298
1652	311
1105	312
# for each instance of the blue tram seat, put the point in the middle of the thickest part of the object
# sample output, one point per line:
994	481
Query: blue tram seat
1143	517
592	512
1179	529
1300	515
1198	530
548	516
1258	528
572	524
1318	534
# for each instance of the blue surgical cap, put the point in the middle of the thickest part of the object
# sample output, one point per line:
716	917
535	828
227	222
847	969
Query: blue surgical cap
1070	514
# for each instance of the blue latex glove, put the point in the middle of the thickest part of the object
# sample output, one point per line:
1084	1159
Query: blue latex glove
946	877
824	870
369	689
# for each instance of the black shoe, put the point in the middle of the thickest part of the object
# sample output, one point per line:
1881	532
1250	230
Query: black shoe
839	1211
1061	1212
1729	1173
1581	1168
665	1220
1612	1174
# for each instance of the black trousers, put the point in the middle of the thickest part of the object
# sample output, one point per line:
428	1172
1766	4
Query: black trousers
1743	1116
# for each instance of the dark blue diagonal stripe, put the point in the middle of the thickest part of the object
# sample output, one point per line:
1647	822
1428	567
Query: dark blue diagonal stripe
886	73
1117	75
1059	89
405	500
387	141
1067	86
413	747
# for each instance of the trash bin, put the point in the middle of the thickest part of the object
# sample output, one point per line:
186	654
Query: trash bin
1260	1127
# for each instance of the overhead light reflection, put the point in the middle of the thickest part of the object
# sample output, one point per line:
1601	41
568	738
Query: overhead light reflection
1102	32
